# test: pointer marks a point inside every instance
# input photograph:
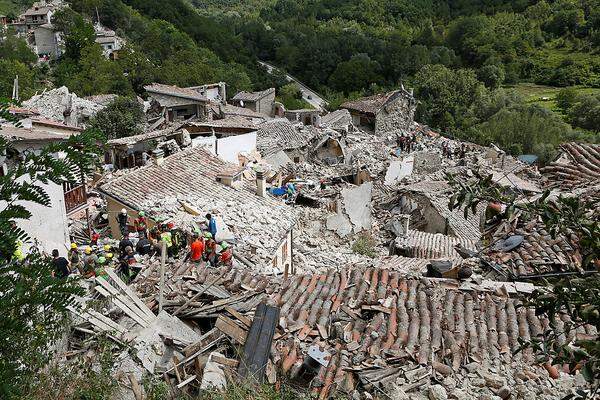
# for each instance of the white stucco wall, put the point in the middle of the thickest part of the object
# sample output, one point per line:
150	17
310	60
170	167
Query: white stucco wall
229	147
49	225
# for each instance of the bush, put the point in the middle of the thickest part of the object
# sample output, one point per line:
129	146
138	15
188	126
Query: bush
365	245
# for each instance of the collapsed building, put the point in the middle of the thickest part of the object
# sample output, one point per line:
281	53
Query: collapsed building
336	233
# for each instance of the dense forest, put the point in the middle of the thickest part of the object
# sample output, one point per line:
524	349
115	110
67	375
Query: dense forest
520	73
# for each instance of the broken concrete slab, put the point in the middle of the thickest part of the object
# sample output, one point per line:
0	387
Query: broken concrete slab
214	375
398	170
340	224
357	204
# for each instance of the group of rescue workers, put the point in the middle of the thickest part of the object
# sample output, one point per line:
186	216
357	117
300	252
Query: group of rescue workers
95	258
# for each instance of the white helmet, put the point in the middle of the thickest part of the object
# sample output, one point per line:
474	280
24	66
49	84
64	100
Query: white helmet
123	211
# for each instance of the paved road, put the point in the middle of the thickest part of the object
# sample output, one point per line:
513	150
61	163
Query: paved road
309	95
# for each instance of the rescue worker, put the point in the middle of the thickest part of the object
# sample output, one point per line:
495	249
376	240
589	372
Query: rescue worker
124	243
141	225
100	269
144	246
226	257
61	265
90	260
212	225
122	220
212	253
196	249
125	262
75	259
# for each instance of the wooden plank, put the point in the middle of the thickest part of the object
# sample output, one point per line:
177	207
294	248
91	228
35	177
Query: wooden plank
202	342
130	313
231	329
242	318
196	354
187	381
258	342
108	321
135	386
201	292
130	293
228	362
176	368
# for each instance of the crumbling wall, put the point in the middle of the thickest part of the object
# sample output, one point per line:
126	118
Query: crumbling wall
396	117
354	213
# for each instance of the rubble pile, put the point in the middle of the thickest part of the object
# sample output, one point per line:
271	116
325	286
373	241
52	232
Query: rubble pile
61	105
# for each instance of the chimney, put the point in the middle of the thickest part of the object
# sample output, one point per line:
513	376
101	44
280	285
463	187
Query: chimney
261	184
159	156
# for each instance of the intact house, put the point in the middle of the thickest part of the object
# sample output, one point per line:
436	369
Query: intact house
185	186
108	40
177	104
48	41
385	113
262	102
39	14
47	225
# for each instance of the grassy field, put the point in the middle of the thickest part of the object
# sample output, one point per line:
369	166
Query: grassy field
545	95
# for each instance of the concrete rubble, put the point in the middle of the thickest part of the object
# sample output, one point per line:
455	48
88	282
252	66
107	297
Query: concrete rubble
365	323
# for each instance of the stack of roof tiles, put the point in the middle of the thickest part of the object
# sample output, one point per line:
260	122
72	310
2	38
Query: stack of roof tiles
432	245
366	318
579	165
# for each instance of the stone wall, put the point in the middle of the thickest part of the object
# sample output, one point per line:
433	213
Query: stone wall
396	117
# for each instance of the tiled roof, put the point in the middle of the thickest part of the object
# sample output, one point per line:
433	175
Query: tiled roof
336	118
229	109
253	96
579	164
539	253
131	140
56	124
236	121
38	11
23	134
427	245
280	134
372	317
372	104
175	91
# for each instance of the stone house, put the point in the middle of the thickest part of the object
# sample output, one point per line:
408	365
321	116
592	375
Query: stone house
215	92
280	135
305	116
261	102
108	40
177	103
39	14
189	184
385	113
48	41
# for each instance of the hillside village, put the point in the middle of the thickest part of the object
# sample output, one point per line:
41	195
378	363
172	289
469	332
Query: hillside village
330	258
432	309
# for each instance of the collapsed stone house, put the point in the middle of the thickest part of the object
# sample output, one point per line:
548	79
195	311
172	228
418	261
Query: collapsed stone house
178	104
339	120
262	102
139	150
385	113
185	186
215	92
279	138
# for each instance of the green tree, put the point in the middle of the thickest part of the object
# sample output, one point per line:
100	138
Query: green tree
121	118
9	69
97	75
566	98
79	34
15	48
32	302
356	74
491	75
446	96
585	113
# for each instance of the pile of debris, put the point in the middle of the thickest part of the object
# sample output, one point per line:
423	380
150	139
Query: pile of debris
64	106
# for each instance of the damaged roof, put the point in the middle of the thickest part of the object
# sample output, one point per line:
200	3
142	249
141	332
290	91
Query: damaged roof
579	164
175	91
253	96
281	134
190	176
131	140
373	104
13	133
231	110
430	246
338	118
